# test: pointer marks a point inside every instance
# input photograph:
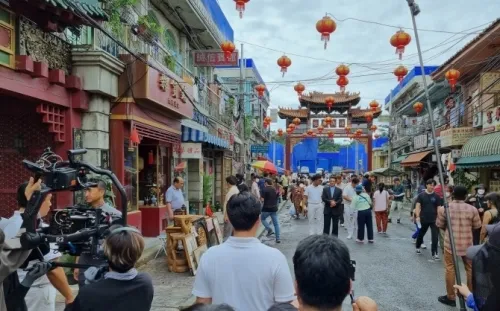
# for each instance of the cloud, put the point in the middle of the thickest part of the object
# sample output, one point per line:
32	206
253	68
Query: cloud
288	26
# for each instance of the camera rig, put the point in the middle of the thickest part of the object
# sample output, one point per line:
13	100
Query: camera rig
75	229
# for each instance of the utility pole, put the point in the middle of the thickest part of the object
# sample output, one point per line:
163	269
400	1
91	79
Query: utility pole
389	149
241	101
415	10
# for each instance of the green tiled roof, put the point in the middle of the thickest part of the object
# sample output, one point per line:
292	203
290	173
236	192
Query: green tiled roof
481	151
90	7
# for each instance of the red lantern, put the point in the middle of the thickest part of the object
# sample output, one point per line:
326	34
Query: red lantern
151	158
325	27
418	107
328	120
265	124
280	132
399	40
400	72
369	116
452	76
314	135
342	81
240	6
299	88
268	120
134	137
374	105
228	48
329	101
260	88
347	129
330	134
373	128
284	62
296	121
292	126
359	132
342	70
289	130
310	132
320	129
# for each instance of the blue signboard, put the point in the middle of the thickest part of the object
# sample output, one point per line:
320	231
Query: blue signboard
259	148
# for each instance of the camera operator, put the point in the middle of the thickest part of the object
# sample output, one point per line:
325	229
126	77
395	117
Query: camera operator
94	196
12	256
42	295
122	288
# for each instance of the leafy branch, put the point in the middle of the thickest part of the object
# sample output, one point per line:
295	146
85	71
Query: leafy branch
114	10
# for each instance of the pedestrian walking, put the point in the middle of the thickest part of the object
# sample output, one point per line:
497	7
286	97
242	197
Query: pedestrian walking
255	187
314	205
363	204
398	192
478	201
270	208
350	214
381	208
332	198
232	182
297	197
491	215
426	208
341	185
464	220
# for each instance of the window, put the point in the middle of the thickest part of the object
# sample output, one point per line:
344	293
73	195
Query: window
7	38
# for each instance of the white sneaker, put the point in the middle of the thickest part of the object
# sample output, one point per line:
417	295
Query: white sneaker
423	246
414	241
435	257
349	237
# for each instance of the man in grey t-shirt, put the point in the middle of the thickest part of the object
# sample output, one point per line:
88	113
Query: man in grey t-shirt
94	196
243	272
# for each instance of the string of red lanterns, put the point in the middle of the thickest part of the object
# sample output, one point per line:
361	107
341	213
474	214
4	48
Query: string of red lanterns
342	71
400	40
240	6
329	101
284	62
326	26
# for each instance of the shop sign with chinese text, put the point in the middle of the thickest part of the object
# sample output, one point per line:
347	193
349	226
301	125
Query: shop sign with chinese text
420	141
214	58
191	151
491	120
456	136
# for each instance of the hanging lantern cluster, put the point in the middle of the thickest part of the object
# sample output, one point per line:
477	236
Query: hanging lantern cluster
299	88
284	62
330	134
452	76
280	132
418	107
373	128
240	6
400	72
228	48
326	26
260	88
329	101
400	40
369	116
342	71
267	121
374	105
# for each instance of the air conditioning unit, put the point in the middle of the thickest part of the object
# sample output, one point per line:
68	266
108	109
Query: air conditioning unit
477	120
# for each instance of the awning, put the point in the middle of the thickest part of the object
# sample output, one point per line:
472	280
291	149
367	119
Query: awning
197	136
399	159
481	151
386	171
415	158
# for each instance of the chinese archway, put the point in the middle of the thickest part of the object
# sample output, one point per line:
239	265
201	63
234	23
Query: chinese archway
318	121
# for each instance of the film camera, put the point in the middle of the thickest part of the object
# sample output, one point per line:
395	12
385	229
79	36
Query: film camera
74	229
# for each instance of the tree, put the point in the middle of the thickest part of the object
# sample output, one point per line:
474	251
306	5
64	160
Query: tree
278	139
328	145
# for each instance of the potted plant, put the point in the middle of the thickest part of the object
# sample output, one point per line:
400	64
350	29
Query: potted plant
147	26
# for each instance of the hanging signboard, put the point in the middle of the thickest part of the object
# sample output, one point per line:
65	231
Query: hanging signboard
491	120
214	58
456	136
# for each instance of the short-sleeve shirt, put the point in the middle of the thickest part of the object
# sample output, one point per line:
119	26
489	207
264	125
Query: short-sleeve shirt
314	194
429	203
348	192
380	200
270	197
175	197
245	274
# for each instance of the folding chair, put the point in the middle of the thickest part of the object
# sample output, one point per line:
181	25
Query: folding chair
163	239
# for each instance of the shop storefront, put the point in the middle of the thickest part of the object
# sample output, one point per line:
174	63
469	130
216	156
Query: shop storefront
145	133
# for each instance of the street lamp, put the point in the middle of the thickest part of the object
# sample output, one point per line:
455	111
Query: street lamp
415	10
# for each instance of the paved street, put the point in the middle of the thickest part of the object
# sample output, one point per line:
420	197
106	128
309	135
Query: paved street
389	271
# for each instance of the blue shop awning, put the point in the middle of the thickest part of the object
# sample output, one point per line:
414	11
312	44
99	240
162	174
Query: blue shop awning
197	136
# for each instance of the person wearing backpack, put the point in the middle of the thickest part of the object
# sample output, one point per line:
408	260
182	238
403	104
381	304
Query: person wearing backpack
491	215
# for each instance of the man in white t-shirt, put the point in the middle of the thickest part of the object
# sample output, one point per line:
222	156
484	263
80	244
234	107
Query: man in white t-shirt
315	205
242	272
350	214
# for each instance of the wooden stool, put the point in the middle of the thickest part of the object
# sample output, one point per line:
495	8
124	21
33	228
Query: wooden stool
176	261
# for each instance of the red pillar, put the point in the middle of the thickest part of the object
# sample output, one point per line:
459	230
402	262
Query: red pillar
369	152
288	152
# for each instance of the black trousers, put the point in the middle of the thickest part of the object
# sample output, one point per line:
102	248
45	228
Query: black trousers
434	236
365	219
476	236
342	214
334	219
